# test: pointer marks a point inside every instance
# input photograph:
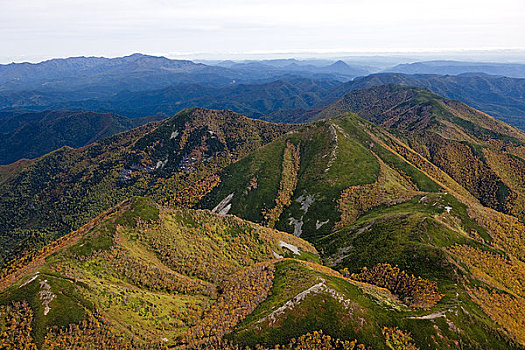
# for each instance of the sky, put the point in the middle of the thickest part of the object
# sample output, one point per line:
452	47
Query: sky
33	30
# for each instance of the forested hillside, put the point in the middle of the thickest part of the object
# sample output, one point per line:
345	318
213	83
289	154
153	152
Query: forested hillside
175	161
395	221
409	194
499	96
484	155
31	135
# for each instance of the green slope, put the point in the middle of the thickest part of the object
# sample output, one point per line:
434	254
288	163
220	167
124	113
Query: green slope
146	271
334	155
442	270
146	276
484	155
366	195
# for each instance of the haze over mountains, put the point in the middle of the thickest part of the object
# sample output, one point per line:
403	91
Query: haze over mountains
159	210
140	85
456	67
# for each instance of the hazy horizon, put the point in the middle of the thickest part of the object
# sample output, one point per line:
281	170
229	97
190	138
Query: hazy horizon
495	55
32	30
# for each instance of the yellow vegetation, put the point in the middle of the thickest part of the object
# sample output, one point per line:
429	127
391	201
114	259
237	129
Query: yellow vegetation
290	167
504	273
241	293
506	310
16	321
396	339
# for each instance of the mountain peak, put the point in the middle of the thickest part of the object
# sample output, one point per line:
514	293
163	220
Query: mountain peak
339	63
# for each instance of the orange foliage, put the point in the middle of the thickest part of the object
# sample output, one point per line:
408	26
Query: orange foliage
358	199
415	291
398	339
17	320
310	341
241	294
507	231
495	269
194	193
506	310
32	260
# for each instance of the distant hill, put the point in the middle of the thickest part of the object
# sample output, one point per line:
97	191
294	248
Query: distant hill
31	135
343	71
513	70
255	100
60	67
501	97
277	90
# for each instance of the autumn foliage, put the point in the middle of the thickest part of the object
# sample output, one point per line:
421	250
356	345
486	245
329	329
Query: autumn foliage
398	340
240	295
415	291
15	326
290	167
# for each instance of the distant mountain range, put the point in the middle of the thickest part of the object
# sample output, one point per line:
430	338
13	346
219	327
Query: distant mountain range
98	75
281	90
513	70
99	93
254	100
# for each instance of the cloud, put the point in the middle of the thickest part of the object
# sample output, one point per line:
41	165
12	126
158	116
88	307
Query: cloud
115	27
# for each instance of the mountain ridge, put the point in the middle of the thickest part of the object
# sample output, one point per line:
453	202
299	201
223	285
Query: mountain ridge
515	70
446	131
396	225
166	158
501	97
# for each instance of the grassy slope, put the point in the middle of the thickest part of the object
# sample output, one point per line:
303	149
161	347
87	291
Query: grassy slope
99	272
418	234
359	312
334	155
